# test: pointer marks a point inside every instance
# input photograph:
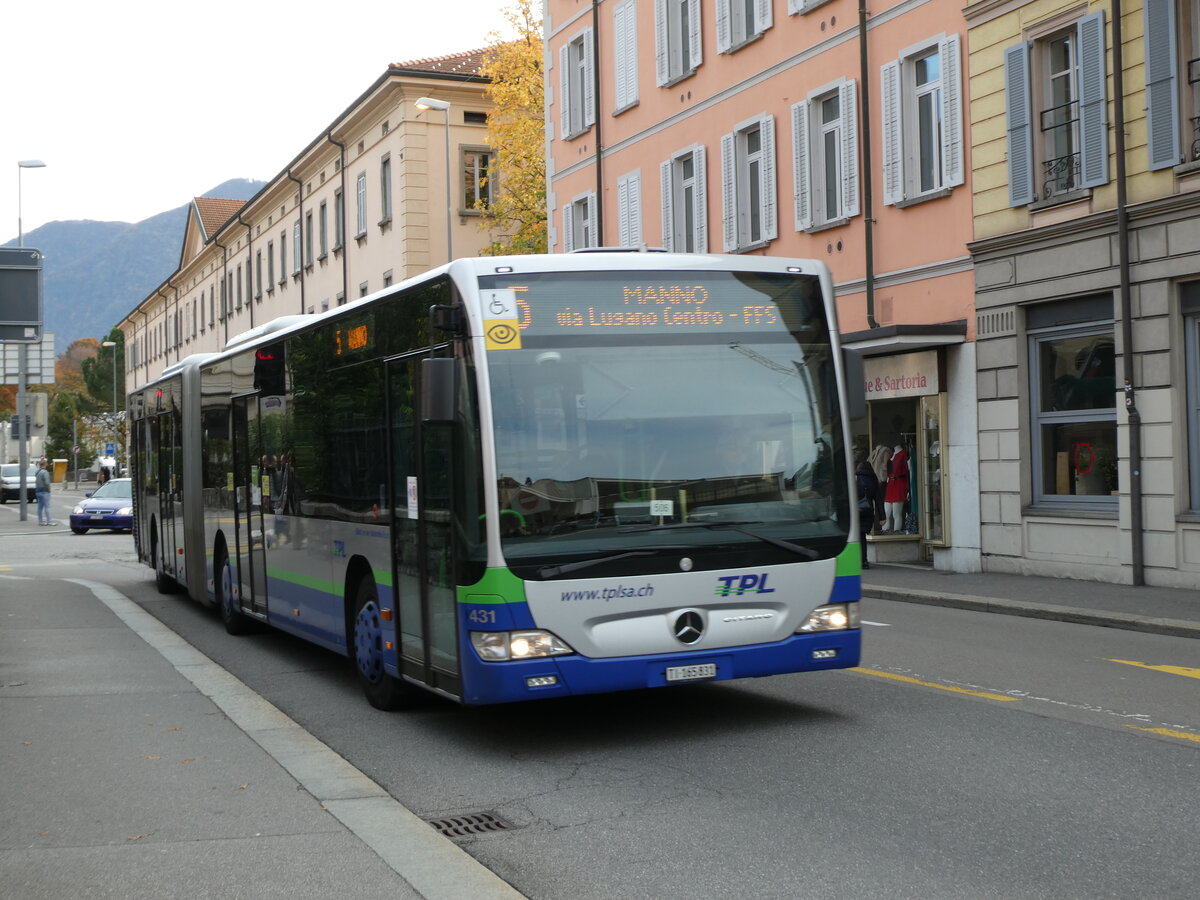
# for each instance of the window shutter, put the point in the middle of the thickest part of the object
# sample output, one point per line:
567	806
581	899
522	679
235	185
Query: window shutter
662	57
1162	115
848	96
569	227
770	220
724	31
1093	102
764	18
728	194
1020	136
699	164
952	126
795	6
893	136
590	203
625	40
800	173
564	87
696	50
668	217
634	214
623	211
589	78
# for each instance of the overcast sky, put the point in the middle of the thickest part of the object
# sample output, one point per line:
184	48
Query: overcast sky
137	106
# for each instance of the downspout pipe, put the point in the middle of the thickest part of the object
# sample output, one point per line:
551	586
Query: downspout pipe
866	168
339	215
225	299
300	262
249	265
596	117
1136	523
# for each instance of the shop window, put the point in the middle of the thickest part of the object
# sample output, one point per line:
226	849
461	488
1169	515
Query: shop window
1074	411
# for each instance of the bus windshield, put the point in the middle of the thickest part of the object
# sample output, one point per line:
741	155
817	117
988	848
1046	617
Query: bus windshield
701	412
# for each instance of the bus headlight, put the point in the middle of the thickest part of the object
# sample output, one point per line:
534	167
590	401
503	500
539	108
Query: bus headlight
831	617
497	646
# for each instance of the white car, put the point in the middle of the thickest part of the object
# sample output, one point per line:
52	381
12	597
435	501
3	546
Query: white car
10	480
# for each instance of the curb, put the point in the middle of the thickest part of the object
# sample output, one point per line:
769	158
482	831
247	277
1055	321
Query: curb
1072	614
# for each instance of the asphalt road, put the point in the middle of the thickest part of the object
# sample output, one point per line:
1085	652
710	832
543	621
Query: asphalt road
973	756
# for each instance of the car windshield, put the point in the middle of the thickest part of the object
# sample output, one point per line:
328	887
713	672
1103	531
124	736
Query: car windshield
115	490
13	470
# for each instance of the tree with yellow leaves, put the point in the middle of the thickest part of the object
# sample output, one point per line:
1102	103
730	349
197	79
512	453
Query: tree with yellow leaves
516	131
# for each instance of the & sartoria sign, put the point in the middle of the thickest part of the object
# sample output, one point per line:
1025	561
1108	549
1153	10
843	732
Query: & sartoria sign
906	375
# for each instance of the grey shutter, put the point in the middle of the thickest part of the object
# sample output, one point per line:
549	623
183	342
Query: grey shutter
668	211
1162	111
623	211
724	29
662	51
696	51
770	217
728	194
952	124
634	208
625	47
893	136
569	227
1020	136
700	165
800	173
564	87
848	97
593	236
1093	102
589	78
764	18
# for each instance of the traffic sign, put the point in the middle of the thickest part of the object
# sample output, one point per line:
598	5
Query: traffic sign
110	449
75	449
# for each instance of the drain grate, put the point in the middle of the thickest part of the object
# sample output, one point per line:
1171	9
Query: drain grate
471	823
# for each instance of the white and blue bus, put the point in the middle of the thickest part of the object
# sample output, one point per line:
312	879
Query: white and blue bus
524	477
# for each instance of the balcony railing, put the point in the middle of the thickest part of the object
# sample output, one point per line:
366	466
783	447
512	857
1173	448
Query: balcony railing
1061	174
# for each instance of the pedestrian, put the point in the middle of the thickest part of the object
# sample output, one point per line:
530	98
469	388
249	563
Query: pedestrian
42	491
867	488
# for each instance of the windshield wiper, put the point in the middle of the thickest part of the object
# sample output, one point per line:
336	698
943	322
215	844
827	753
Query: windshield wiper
564	568
798	549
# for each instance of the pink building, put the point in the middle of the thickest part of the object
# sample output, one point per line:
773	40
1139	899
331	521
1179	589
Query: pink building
744	126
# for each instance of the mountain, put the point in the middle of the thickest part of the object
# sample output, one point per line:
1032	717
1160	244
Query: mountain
94	273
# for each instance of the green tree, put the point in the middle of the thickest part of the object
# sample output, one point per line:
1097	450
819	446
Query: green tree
98	372
516	131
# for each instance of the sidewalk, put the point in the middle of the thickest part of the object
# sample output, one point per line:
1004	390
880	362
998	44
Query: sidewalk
1160	610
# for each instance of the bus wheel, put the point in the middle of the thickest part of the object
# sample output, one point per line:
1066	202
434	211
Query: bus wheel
235	622
383	691
162	581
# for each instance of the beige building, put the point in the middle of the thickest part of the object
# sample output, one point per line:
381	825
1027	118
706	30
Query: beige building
364	205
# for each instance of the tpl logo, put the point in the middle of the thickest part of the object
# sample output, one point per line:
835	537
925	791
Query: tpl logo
737	585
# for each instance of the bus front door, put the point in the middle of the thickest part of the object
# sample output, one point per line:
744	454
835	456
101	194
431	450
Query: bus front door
248	474
422	540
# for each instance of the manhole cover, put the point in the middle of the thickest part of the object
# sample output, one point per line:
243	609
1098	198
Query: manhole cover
471	823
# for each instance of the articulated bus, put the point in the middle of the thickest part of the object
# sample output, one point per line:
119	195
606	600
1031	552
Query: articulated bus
524	477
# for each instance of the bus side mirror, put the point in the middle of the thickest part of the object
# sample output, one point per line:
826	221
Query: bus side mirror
438	391
856	388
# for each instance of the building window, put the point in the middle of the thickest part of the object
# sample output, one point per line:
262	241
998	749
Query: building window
308	239
922	122
741	21
629	209
1073	402
239	287
339	220
477	179
270	266
625	55
575	82
362	289
748	184
1057	106
323	228
212	302
1190	303
1172	34
297	249
825	157
282	258
677	39
385	189
579	223
361	220
387	278
685	201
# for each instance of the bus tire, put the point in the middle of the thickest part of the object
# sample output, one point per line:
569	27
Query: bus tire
235	622
383	691
162	581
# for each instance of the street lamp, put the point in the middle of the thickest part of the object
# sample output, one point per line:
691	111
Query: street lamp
24	164
431	103
116	456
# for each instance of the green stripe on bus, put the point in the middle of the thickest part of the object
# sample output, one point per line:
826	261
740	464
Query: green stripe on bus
496	586
317	584
849	561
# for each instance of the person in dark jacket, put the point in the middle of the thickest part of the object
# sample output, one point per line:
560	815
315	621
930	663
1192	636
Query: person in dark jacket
867	486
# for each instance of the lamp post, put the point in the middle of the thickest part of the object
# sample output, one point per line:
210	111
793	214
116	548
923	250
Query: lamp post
24	164
444	106
116	455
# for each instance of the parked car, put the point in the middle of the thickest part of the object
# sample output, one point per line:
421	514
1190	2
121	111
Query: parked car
10	478
109	506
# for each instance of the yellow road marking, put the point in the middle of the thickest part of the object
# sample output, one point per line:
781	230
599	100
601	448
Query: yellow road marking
1170	670
1169	732
941	687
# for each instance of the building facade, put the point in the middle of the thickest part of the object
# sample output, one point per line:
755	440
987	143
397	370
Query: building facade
795	128
367	203
1087	232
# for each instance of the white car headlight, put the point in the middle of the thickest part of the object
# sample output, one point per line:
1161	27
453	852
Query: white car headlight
78	511
498	646
125	511
831	617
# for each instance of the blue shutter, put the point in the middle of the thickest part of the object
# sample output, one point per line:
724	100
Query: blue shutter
1093	102
1162	109
1020	137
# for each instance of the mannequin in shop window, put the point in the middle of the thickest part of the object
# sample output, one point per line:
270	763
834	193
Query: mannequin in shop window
879	459
896	495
